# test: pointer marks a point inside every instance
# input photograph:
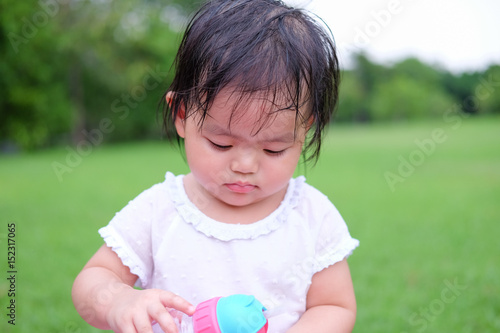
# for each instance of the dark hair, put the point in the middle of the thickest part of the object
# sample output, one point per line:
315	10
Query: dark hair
257	46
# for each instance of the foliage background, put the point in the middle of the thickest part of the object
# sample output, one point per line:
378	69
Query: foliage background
66	65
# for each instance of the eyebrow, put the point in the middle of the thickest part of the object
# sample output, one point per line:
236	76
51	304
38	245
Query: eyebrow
217	130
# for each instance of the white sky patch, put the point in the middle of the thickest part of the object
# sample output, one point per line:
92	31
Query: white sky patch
459	35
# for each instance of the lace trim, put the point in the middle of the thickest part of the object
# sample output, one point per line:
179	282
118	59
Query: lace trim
116	245
224	231
336	254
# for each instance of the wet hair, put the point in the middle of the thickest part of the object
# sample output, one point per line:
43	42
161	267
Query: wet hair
260	49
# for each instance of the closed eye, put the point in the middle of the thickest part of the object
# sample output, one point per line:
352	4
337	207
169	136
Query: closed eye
274	152
219	147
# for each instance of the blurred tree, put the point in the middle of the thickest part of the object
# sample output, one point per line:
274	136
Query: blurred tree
363	80
89	71
487	91
462	87
409	89
416	70
33	103
368	72
68	66
414	90
402	98
351	99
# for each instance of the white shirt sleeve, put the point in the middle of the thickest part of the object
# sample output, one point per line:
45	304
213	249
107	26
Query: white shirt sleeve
128	234
332	240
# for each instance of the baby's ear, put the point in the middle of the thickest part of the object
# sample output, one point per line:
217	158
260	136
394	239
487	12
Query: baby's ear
181	113
310	122
169	98
180	117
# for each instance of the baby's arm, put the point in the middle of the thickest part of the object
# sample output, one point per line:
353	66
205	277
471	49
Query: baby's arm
331	304
104	296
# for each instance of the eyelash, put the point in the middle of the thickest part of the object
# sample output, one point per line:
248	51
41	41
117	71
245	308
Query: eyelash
275	153
219	147
268	151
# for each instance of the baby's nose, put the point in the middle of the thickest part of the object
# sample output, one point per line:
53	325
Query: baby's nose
245	161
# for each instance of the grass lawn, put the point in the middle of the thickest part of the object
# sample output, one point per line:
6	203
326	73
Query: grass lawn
423	199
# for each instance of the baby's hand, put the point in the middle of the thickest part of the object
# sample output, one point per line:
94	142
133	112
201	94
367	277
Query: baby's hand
133	310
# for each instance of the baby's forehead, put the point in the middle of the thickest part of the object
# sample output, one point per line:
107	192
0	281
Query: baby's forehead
250	111
262	102
259	117
273	132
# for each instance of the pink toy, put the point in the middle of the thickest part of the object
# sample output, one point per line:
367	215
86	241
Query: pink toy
232	314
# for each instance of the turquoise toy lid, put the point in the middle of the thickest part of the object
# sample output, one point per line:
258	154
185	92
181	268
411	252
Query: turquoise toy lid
240	314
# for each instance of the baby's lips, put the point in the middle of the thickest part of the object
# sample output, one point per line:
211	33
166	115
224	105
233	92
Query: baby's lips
241	188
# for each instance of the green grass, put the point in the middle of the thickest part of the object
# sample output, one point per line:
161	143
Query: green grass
437	226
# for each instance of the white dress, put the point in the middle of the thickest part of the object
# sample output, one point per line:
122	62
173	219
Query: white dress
169	244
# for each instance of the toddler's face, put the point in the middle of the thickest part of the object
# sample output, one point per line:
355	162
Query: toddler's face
240	161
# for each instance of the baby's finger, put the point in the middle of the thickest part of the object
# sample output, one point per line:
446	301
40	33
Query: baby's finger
160	315
142	324
167	323
124	327
171	300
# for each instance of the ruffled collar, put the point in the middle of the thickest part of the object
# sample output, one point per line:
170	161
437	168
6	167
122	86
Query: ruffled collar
226	231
